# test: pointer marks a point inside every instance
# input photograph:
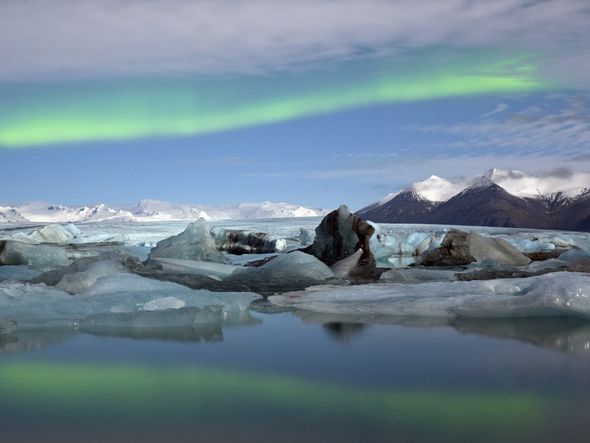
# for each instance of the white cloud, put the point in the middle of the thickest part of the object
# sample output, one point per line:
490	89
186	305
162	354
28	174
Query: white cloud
67	38
564	130
500	107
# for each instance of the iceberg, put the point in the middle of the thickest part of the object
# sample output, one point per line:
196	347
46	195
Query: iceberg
17	273
460	248
60	234
33	305
193	267
561	294
416	275
237	241
83	277
194	243
288	271
40	257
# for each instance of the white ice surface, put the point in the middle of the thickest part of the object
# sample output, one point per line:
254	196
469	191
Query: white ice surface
60	234
36	305
292	266
557	294
193	267
17	272
194	243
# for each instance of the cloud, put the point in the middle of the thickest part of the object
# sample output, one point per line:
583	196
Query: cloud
501	107
66	38
559	173
564	130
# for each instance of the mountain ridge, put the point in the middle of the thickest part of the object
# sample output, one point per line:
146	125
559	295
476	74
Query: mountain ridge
486	203
150	210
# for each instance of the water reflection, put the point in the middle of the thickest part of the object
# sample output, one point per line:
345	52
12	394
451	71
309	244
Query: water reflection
247	405
344	331
178	325
568	335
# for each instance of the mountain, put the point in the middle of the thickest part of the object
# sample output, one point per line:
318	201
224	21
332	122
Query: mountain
576	216
162	210
404	207
483	201
43	212
8	214
413	204
151	210
487	204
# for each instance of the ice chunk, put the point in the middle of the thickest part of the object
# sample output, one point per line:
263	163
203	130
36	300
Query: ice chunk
194	267
551	264
529	245
76	282
343	268
60	234
306	237
293	265
237	241
17	273
40	257
462	247
416	275
287	272
391	242
160	304
194	243
549	295
574	254
38	304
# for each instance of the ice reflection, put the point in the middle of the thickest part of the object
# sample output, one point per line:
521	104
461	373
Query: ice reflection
568	335
140	326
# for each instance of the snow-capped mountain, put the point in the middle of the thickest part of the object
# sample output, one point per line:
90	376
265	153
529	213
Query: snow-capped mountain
151	210
497	198
8	214
43	212
162	210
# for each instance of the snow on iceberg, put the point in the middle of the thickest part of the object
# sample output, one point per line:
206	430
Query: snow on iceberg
551	295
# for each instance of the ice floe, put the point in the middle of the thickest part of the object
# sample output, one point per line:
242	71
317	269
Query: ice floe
40	305
550	295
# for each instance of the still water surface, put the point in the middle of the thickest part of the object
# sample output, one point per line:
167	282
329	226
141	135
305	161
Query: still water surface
295	376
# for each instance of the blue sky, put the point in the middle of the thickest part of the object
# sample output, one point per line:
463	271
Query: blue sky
212	102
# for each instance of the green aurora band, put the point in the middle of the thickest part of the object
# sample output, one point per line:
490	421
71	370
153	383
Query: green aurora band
132	392
34	115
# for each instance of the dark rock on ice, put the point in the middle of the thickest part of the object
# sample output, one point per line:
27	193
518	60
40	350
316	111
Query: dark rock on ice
338	240
238	242
460	248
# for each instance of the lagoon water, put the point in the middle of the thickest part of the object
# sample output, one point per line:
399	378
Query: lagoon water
296	376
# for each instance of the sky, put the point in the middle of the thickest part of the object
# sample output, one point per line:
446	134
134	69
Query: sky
312	102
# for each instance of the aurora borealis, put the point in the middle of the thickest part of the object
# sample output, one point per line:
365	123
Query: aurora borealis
120	110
